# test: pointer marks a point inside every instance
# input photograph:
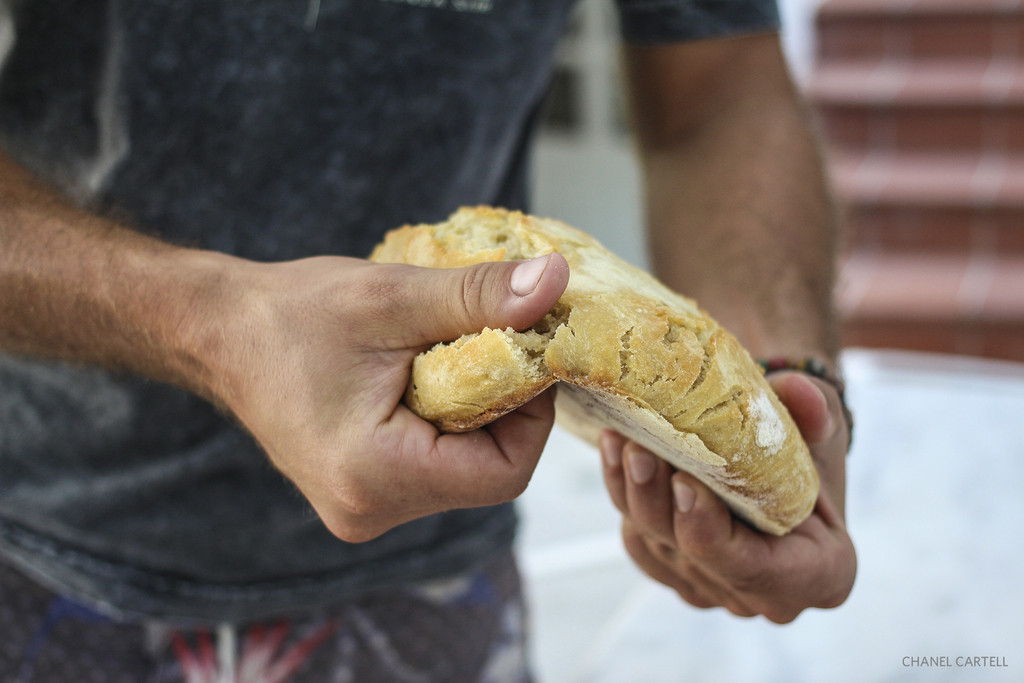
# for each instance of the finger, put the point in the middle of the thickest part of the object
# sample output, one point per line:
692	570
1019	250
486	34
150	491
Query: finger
817	409
520	436
703	526
479	472
649	493
433	473
754	573
415	306
688	580
611	444
486	466
676	577
731	562
808	403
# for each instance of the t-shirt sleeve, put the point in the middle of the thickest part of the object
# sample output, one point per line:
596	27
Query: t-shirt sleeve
665	21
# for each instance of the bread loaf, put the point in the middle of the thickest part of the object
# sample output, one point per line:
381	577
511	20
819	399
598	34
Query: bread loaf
631	355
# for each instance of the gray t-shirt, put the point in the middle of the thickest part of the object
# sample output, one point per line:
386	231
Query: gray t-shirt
237	125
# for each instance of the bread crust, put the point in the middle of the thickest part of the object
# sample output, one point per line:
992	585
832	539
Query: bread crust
632	355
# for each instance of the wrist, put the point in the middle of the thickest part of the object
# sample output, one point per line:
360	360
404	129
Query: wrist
79	288
212	324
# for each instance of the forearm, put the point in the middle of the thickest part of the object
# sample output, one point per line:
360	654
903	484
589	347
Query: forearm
740	219
311	356
77	287
739	213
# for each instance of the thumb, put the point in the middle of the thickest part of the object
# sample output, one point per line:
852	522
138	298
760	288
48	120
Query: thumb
808	404
817	410
444	304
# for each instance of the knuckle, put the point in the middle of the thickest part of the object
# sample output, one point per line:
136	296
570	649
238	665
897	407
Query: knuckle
782	615
702	543
379	292
837	595
354	511
352	532
475	283
384	305
513	486
741	610
748	575
666	551
833	600
755	583
361	504
838	578
692	596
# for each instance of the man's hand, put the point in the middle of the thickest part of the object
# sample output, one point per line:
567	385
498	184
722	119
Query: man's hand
311	356
314	359
682	535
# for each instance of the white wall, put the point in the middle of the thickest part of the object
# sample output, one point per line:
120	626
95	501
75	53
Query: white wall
798	34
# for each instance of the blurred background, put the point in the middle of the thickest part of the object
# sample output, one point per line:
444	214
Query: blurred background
921	103
921	107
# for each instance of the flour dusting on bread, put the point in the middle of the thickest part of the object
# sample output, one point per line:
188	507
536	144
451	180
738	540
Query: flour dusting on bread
771	432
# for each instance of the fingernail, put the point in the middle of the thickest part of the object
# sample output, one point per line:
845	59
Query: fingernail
684	495
609	453
828	425
642	466
829	428
527	274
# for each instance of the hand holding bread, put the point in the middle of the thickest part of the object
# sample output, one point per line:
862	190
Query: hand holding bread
313	357
682	535
631	355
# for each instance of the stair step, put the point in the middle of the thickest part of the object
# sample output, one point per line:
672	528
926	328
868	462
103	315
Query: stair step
936	202
901	229
954	303
983	181
860	29
917	129
925	129
917	106
1004	341
979	286
891	8
933	83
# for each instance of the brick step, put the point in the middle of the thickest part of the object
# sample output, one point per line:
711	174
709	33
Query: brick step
954	303
984	181
970	104
900	229
919	29
934	202
1003	341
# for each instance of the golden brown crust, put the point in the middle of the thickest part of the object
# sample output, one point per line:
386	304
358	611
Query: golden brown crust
633	355
467	423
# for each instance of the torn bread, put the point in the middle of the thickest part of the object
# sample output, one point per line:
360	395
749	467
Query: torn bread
631	354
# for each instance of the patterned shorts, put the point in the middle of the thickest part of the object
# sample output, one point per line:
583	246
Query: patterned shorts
467	628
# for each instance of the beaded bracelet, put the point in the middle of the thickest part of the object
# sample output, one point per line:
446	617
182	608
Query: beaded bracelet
814	368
